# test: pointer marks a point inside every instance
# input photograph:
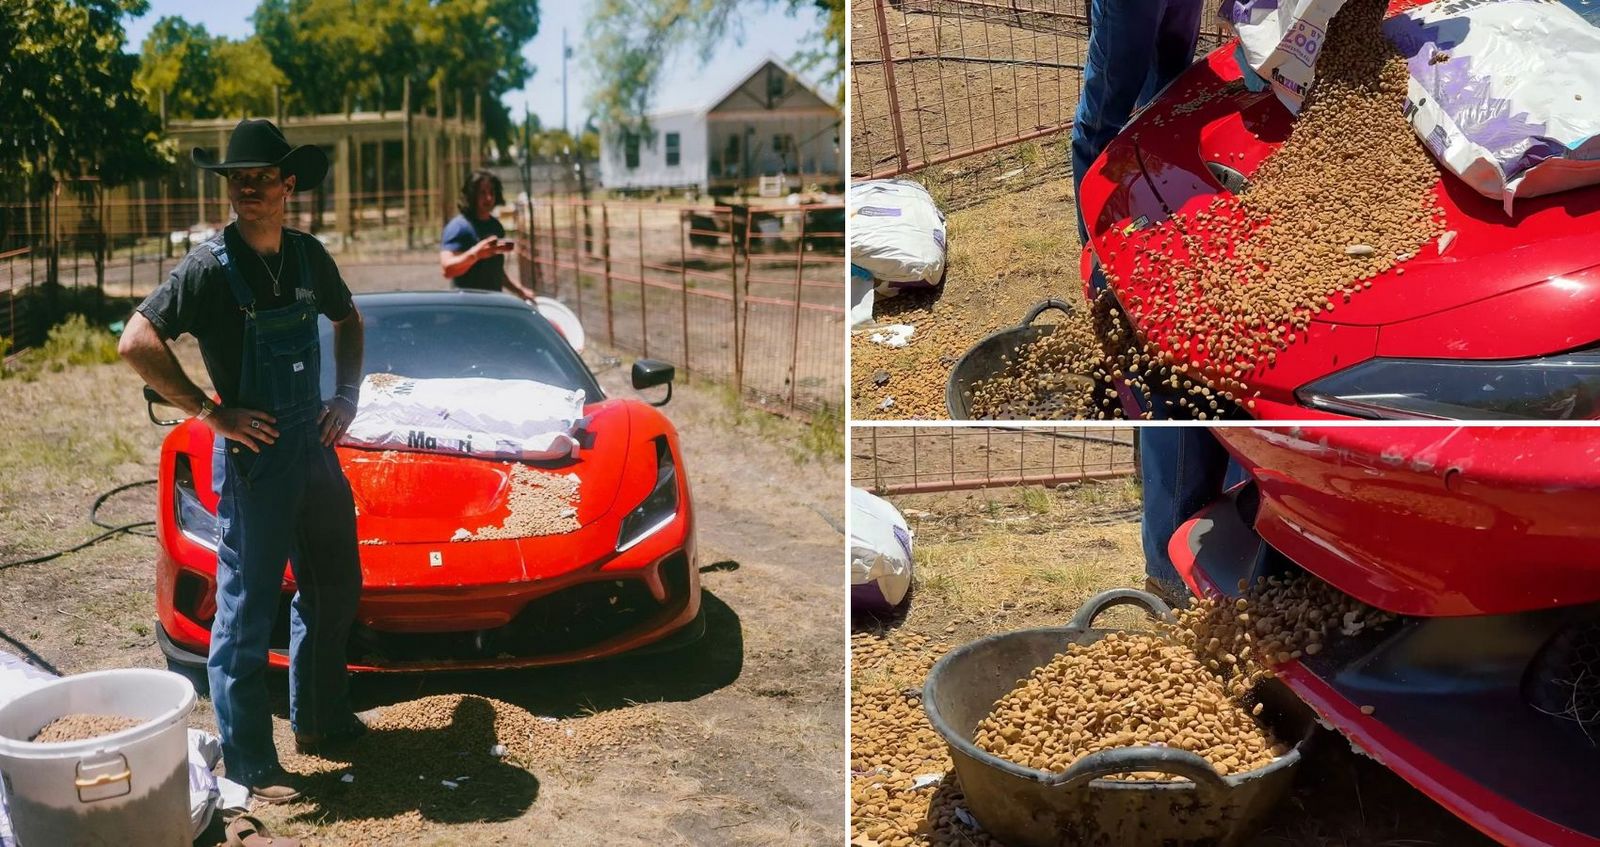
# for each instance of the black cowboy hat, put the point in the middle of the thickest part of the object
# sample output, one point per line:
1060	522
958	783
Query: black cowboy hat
258	143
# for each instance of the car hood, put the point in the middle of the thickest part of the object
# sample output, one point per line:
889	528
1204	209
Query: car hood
405	497
1501	287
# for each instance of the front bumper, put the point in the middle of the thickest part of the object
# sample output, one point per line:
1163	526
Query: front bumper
1451	712
629	602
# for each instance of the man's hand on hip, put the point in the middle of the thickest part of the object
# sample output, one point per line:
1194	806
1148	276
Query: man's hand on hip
251	428
335	419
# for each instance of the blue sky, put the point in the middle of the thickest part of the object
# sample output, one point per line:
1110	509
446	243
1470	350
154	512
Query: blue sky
686	82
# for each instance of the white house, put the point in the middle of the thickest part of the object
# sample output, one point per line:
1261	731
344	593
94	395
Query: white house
771	124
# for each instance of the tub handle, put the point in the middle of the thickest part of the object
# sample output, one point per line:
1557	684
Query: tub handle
1052	303
1120	597
99	780
1168	760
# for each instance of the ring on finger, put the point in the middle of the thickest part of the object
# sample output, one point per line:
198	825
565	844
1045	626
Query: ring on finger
255	424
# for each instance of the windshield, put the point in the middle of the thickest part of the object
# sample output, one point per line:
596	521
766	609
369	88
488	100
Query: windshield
439	341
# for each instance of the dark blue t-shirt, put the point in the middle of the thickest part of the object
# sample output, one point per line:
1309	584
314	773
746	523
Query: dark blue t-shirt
460	234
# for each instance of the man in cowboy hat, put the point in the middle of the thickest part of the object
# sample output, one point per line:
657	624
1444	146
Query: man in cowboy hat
251	296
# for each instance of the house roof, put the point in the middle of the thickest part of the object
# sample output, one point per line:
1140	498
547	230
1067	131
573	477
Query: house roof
755	69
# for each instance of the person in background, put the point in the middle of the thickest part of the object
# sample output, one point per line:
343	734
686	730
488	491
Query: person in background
473	251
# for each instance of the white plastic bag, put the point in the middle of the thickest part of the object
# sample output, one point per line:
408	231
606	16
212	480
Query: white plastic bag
880	552
1280	40
896	232
1506	93
498	418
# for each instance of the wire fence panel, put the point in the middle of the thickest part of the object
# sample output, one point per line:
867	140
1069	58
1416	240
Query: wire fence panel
935	80
747	295
919	459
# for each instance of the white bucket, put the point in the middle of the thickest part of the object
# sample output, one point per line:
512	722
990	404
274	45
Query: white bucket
127	787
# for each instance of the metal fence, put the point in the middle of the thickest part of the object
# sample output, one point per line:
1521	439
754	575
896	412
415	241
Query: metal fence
921	459
751	296
935	80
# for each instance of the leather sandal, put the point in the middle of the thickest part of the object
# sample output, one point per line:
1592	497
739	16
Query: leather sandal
249	831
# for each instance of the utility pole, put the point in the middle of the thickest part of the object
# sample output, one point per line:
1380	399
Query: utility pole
566	53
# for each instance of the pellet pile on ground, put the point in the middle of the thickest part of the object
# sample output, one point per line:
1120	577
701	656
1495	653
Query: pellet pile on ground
1123	691
82	727
451	757
909	382
542	503
1053	378
900	794
1346	199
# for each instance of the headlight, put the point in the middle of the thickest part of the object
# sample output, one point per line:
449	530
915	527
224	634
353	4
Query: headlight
194	521
658	508
1549	388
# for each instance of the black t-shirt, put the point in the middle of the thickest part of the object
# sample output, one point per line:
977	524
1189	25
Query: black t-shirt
460	234
197	299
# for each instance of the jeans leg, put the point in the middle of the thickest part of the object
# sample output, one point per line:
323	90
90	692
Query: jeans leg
1183	469
256	541
1176	34
1122	43
327	572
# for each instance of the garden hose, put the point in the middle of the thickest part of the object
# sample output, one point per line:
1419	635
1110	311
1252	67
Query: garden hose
94	518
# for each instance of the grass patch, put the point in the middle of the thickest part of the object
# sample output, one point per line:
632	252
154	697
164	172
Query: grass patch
1037	500
71	343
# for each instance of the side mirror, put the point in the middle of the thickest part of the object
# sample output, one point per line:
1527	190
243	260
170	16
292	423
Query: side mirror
152	398
649	373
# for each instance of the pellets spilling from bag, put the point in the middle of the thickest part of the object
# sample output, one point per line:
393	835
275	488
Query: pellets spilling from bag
1122	691
81	727
541	503
1347	197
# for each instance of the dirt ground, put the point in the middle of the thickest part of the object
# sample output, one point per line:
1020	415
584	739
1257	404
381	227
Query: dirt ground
1002	559
1013	239
965	76
676	748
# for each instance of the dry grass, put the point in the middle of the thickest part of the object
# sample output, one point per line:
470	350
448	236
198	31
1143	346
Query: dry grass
1014	247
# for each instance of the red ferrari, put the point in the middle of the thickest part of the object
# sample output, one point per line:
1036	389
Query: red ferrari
1486	694
1499	321
625	579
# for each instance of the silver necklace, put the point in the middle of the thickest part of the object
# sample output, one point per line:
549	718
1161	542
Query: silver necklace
275	290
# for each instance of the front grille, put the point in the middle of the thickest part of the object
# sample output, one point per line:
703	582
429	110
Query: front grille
575	617
1564	679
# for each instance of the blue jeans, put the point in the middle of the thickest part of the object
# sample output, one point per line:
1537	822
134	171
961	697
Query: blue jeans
1184	469
1136	47
289	503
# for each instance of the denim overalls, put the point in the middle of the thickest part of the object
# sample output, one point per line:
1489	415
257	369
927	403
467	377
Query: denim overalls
291	502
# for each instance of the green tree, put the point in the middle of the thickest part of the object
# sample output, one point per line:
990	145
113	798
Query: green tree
205	76
364	49
68	106
631	40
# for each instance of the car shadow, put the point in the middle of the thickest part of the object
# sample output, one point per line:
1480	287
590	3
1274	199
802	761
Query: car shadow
447	776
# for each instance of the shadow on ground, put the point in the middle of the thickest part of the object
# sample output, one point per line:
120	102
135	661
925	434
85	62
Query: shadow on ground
688	673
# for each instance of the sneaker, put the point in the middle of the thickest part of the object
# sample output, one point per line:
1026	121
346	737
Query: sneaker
313	743
277	786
